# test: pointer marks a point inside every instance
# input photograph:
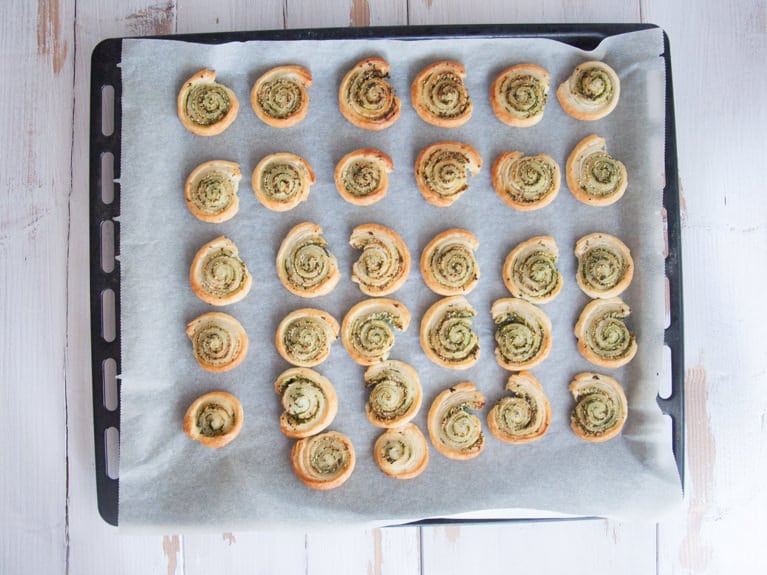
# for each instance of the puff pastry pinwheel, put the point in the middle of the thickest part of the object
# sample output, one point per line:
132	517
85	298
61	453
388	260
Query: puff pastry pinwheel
605	265
526	183
395	393
205	107
439	95
447	335
219	342
218	276
594	176
279	96
384	264
522	334
214	419
524	415
442	171
362	176
601	407
454	431
309	402
305	264
211	190
366	98
281	181
448	263
518	95
603	337
323	461
530	270
402	452
591	92
305	335
367	331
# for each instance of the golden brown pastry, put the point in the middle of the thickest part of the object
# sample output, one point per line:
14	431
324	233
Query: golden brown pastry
442	171
522	334
518	95
214	419
206	108
601	407
211	190
305	265
305	335
526	183
594	176
281	181
603	337
309	402
367	330
366	98
279	96
524	415
605	265
218	276
439	95
591	92
530	270
362	176
447	336
384	264
454	431
448	263
323	461
402	452
395	393
219	342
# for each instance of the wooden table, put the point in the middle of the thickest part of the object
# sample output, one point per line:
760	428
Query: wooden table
47	493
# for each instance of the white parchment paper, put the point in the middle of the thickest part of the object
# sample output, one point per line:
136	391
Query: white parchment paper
168	481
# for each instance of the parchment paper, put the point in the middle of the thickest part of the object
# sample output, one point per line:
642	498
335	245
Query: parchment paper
168	481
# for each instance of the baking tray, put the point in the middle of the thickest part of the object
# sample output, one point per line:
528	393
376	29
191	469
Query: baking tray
104	173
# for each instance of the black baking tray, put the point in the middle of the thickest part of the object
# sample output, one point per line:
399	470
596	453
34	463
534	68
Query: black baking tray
105	211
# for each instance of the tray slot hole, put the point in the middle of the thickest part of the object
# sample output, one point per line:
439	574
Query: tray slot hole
107	177
108	315
664	219
108	246
112	447
665	388
109	383
107	110
667	308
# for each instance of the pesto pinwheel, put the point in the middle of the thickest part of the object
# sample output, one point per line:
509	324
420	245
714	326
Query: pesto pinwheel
205	107
218	276
439	95
281	181
214	419
600	407
603	337
362	176
448	263
365	96
279	96
384	264
442	171
447	335
402	452
605	265
219	342
594	176
211	190
518	95
530	270
395	393
522	416
305	335
367	331
323	461
522	334
309	402
305	264
591	92
454	431
526	183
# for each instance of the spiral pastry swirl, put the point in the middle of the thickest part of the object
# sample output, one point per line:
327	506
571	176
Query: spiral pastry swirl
442	171
305	265
591	92
323	461
594	176
305	335
309	402
454	431
367	331
362	176
601	407
448	263
603	337
605	265
402	452
522	334
447	335
395	393
439	95
219	342
281	181
366	98
518	95
524	415
279	96
214	419
526	183
530	270
211	190
204	107
384	264
218	276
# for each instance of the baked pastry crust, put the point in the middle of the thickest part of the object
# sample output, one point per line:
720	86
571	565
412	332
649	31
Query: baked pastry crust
205	107
367	331
601	408
442	171
362	176
522	334
305	335
211	190
526	183
217	275
384	265
439	95
323	461
447	335
518	95
591	92
309	402
395	393
279	97
214	419
603	337
454	432
402	452
530	270
281	181
524	415
365	96
219	342
305	265
448	264
605	265
594	176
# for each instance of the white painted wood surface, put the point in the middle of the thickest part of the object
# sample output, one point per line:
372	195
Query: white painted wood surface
47	487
